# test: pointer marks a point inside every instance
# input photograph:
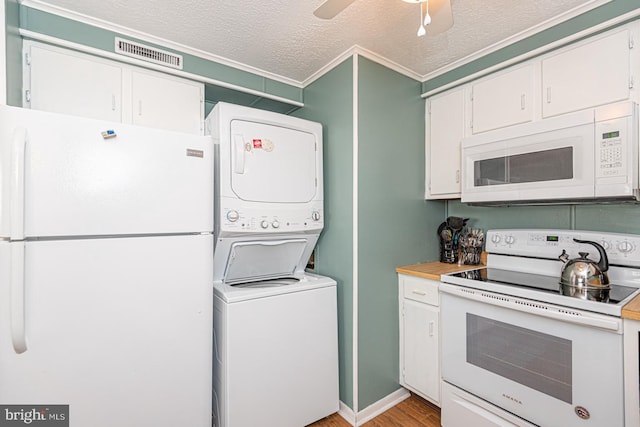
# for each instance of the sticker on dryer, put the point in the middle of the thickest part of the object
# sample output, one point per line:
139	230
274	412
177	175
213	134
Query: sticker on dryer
264	144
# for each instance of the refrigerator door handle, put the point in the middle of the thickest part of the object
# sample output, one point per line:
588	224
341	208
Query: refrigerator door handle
18	151
17	303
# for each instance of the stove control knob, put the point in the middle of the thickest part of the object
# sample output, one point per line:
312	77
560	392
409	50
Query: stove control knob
509	240
495	238
233	215
315	215
275	224
625	247
264	224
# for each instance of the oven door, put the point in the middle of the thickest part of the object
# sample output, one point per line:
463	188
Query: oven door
552	366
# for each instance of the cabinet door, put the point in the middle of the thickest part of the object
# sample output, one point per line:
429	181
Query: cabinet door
445	130
69	83
503	100
421	349
588	75
168	103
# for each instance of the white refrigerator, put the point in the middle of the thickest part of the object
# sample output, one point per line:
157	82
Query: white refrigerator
106	270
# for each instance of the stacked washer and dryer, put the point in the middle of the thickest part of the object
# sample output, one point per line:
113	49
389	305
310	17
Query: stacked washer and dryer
275	325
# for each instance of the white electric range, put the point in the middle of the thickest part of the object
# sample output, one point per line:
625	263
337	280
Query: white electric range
515	351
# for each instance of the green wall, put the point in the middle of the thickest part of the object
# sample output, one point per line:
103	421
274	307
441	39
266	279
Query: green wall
14	53
393	219
395	223
617	218
329	100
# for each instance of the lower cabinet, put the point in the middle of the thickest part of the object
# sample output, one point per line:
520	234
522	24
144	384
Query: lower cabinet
420	336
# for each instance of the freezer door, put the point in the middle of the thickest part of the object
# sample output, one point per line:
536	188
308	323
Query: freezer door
119	329
70	176
271	163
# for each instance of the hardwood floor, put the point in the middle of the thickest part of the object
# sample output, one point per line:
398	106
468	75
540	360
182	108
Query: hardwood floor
411	412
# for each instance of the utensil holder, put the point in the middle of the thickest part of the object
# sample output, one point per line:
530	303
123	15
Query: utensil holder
448	251
470	255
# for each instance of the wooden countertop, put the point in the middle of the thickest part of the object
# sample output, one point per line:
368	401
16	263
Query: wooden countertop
433	270
632	309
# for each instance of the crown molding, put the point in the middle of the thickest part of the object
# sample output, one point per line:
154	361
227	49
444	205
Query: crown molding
572	13
150	65
359	50
105	25
536	52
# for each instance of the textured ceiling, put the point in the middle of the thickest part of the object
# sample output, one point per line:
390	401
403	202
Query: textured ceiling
284	38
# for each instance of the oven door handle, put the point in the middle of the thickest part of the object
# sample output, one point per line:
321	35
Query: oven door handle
551	311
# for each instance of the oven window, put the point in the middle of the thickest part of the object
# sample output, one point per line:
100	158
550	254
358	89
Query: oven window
530	358
538	166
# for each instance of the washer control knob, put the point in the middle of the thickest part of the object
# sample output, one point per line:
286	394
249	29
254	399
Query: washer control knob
605	244
233	215
496	238
264	224
315	215
509	240
275	224
625	246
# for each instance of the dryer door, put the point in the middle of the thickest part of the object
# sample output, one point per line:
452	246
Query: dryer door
273	164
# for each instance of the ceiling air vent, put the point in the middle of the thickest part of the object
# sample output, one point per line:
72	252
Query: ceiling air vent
147	53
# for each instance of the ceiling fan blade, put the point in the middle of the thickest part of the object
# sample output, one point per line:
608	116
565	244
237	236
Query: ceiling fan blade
331	8
441	16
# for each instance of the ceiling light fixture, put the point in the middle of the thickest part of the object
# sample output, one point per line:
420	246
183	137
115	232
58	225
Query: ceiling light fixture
439	10
424	9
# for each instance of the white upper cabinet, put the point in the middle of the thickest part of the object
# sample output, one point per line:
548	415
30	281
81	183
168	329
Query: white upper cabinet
445	128
504	99
166	102
592	73
69	82
73	83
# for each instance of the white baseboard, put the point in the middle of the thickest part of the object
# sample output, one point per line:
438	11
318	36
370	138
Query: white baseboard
373	410
347	413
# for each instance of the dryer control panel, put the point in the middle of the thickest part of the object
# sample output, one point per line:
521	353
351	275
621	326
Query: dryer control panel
271	220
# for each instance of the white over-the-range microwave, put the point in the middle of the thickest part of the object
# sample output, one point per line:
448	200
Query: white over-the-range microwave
588	156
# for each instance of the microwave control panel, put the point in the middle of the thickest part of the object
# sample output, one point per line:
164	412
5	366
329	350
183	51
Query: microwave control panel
611	148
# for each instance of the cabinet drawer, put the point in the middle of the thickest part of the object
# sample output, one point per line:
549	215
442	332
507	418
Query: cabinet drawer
418	289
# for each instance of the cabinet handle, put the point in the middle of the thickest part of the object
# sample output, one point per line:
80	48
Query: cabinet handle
421	293
431	328
549	95
522	102
458	176
113	103
140	107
